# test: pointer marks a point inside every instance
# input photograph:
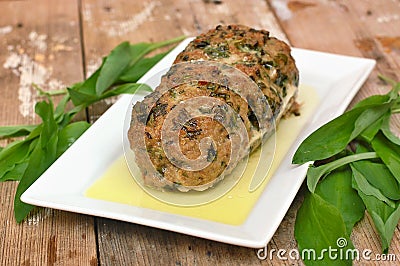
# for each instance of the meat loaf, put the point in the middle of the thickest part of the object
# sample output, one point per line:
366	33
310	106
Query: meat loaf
220	98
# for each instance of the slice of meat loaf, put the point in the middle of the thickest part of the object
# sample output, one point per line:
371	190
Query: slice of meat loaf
221	97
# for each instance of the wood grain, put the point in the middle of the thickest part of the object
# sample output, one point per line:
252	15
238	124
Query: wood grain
367	29
358	28
58	43
42	48
106	24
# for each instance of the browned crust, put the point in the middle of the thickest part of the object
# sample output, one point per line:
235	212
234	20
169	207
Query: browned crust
266	60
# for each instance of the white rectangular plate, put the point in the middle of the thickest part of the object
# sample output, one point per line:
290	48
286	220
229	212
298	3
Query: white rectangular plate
336	80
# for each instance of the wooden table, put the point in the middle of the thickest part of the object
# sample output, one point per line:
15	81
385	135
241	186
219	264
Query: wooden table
56	43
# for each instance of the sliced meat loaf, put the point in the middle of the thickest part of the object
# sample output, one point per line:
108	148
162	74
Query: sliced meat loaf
252	80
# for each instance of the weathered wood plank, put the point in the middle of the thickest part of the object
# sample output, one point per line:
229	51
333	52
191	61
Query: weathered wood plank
130	244
42	48
367	29
105	25
358	28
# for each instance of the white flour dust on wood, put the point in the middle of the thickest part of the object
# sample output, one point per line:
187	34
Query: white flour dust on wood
388	18
269	21
38	41
30	71
282	9
121	28
6	29
92	66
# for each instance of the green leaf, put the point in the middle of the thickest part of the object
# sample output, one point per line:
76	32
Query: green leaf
12	156
89	85
318	227
39	161
43	155
67	116
82	98
373	204
379	176
386	130
372	101
126	57
17	172
115	64
69	134
127	88
394	93
386	229
369	133
142	49
389	153
387	80
366	188
16	153
385	217
377	183
16	131
328	140
367	118
315	173
45	111
363	147
60	109
336	189
78	92
122	59
135	72
334	136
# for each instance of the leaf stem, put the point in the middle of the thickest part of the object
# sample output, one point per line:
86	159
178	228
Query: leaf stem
57	92
41	92
387	80
315	173
170	41
155	46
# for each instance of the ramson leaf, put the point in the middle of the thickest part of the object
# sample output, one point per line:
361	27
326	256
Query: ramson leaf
319	226
389	152
16	131
375	168
365	187
69	134
387	131
385	217
336	189
334	136
379	176
314	174
135	72
43	155
114	65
